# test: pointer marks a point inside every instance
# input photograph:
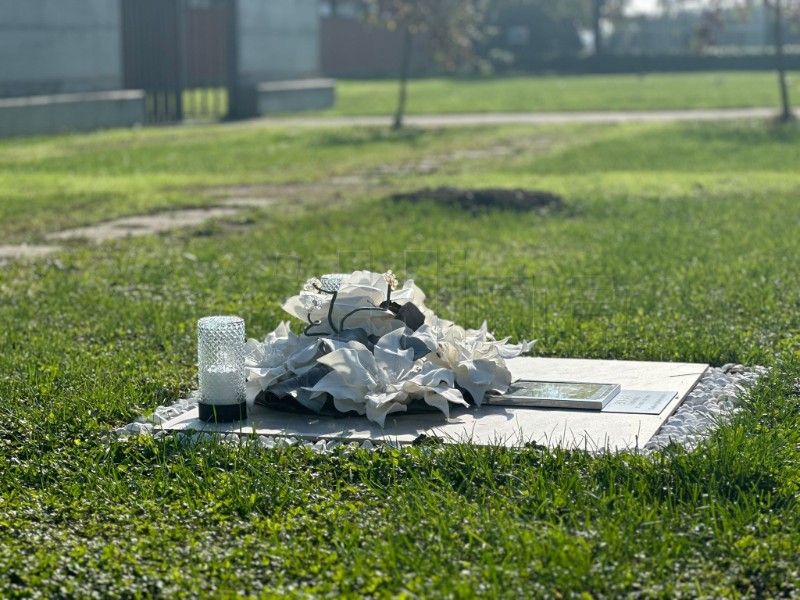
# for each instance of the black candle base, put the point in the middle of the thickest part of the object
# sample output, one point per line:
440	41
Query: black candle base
222	413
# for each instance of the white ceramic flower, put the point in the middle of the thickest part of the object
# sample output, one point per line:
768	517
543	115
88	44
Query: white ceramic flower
383	382
357	291
281	353
377	379
475	357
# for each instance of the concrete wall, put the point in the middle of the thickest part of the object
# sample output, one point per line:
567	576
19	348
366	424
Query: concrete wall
296	95
62	113
57	46
279	40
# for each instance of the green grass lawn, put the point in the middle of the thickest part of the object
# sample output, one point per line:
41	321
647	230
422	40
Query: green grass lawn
658	91
679	242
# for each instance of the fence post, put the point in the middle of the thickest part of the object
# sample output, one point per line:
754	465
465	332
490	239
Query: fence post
232	56
180	60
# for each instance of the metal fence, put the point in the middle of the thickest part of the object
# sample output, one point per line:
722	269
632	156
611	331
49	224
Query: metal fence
182	53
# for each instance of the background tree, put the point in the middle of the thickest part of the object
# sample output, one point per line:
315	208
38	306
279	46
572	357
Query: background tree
604	10
597	30
453	28
783	11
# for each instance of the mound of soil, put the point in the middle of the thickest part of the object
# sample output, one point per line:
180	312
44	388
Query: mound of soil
486	199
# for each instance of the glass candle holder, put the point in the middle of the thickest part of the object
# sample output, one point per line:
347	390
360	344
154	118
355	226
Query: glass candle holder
220	368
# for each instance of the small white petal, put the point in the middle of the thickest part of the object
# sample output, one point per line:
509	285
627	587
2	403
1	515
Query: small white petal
251	390
342	387
346	405
390	357
380	405
476	377
427	336
502	379
253	346
432	375
507	351
305	355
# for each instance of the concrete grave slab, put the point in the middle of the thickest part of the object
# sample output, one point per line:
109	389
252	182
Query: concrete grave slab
496	424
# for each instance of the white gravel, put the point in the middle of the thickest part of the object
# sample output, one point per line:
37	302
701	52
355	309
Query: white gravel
715	398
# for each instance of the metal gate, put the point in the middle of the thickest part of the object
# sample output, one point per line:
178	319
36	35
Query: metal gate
182	53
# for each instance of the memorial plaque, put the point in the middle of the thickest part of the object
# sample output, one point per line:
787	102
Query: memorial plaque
641	402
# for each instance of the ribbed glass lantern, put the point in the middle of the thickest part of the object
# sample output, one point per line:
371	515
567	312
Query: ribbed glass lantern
220	368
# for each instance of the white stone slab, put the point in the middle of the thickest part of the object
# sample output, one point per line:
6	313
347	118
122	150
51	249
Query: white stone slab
497	424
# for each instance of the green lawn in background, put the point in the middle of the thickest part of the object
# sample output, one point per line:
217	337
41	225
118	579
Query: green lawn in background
657	91
678	242
55	183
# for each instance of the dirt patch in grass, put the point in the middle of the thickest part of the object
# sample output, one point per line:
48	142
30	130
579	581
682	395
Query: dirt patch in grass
232	201
25	251
143	224
293	195
474	200
284	191
250	202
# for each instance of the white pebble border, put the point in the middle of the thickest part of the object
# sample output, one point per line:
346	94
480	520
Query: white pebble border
715	398
150	425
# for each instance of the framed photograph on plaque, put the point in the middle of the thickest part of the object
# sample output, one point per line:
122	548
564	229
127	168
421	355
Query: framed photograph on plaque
556	394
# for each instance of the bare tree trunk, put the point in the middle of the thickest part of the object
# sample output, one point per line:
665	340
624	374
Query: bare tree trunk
404	67
786	109
597	6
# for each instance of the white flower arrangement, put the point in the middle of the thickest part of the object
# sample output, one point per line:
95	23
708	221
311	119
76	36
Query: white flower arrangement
371	347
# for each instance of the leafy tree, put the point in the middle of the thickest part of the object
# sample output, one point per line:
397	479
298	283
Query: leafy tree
782	11
453	27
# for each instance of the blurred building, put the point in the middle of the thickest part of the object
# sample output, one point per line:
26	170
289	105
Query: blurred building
350	48
522	34
525	34
83	64
670	34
